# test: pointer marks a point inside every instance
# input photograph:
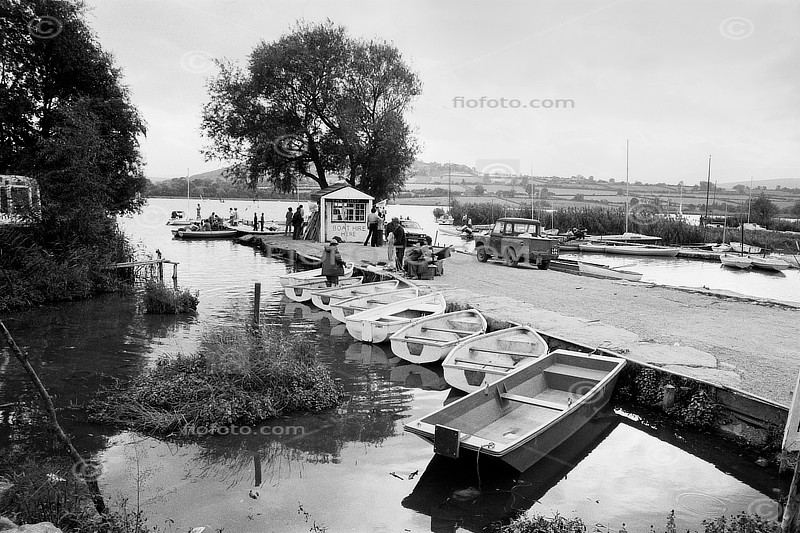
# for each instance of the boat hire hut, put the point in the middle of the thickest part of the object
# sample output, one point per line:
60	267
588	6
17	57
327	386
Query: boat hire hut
343	211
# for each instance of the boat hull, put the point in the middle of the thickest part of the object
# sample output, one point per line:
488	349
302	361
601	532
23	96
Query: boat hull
303	291
376	325
524	416
429	339
476	362
325	298
187	234
735	261
341	310
768	263
292	279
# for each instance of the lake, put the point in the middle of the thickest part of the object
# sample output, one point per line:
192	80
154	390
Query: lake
351	468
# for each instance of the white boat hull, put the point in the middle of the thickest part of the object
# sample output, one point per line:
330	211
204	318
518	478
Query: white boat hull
769	263
341	310
292	279
735	261
482	360
430	339
303	291
325	298
376	325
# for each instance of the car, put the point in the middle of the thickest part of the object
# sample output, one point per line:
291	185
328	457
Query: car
414	232
514	240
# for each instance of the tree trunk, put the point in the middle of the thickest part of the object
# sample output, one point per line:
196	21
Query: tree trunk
80	464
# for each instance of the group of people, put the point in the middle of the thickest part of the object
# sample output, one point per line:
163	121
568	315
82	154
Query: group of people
376	225
295	220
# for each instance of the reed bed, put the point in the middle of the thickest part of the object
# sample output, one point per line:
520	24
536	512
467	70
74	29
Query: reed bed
238	377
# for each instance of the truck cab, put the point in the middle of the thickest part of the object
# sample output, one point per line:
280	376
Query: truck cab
514	240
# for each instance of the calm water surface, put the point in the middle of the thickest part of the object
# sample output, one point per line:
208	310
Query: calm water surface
352	468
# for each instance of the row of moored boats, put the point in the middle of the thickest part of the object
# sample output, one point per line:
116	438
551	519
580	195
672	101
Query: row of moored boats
522	401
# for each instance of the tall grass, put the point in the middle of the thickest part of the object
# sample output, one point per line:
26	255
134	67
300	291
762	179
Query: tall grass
160	299
237	377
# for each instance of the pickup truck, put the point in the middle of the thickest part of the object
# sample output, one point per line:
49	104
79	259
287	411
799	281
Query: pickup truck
514	240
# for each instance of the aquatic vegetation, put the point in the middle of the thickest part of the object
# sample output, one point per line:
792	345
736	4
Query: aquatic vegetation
160	299
238	377
536	523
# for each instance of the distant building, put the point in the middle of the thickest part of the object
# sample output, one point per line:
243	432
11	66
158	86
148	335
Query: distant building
19	198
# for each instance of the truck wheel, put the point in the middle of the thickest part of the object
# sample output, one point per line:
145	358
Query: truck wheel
510	258
481	254
543	265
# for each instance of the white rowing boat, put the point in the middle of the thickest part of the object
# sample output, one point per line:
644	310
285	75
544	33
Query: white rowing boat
429	339
341	310
324	298
484	359
379	323
303	289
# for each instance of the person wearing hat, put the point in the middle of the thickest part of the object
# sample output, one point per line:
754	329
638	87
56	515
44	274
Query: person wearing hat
332	263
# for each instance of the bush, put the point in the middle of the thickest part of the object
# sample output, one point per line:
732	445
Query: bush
539	524
238	377
160	299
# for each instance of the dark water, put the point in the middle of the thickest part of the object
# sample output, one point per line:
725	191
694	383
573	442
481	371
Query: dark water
351	468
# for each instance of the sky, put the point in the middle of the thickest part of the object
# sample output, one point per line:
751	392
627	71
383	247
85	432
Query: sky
551	87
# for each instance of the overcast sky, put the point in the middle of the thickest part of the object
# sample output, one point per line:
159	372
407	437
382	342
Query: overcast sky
681	80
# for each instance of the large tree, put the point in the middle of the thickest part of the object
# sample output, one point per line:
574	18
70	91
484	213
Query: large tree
763	210
65	117
315	103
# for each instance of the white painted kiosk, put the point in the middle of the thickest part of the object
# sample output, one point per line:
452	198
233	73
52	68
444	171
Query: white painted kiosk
343	212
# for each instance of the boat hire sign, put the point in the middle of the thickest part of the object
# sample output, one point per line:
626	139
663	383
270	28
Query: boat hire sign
791	434
348	230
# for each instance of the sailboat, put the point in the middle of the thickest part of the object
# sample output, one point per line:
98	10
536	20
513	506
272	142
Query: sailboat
181	218
447	218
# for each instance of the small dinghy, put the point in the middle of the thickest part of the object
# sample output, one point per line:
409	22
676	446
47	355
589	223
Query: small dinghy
376	325
525	415
303	289
478	361
429	339
324	298
341	310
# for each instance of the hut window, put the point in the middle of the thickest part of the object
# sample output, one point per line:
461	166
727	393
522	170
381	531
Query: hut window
349	211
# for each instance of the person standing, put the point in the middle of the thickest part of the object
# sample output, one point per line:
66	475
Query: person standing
198	212
262	221
255	221
381	226
399	243
297	223
332	263
289	215
372	226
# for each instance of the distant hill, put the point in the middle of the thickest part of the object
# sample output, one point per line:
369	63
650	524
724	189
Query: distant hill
787	183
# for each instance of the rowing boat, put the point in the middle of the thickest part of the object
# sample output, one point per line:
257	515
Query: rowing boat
293	278
324	298
303	289
735	261
475	362
343	309
379	323
525	415
429	339
769	263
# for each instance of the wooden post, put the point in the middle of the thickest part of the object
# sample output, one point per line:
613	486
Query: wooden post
669	397
257	304
790	522
175	275
160	272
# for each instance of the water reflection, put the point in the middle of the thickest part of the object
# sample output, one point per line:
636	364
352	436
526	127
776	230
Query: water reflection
472	492
427	377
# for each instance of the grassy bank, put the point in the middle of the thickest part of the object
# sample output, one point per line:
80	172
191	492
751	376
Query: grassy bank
39	265
237	378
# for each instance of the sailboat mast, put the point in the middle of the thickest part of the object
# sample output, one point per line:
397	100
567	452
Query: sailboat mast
626	185
708	190
188	202
749	197
448	187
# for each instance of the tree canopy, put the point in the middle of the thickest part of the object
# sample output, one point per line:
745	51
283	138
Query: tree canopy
763	210
65	117
315	103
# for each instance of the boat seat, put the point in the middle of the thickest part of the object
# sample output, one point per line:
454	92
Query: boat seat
426	308
445	330
423	340
533	401
582	373
505	352
497	365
